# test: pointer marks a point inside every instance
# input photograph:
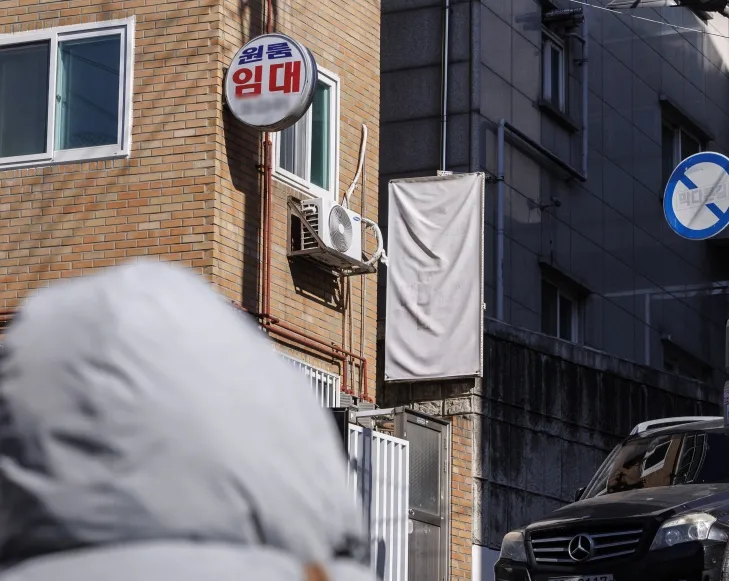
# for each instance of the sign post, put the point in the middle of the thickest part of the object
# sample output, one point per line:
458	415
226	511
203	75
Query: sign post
271	82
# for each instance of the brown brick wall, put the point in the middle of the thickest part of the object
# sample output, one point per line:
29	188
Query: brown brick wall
344	38
64	220
461	497
452	401
190	191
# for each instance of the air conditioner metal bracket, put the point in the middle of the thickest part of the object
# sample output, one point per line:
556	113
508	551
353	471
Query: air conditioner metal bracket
323	256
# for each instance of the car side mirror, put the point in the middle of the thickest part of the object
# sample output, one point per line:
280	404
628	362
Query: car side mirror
579	492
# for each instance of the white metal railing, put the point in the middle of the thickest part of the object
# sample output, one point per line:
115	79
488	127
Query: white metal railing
324	384
379	478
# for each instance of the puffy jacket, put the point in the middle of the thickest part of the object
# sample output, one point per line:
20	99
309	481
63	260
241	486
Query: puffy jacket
150	433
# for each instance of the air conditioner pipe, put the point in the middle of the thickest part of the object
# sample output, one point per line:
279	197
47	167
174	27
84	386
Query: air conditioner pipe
274	325
268	322
444	85
278	327
363	297
360	164
380	253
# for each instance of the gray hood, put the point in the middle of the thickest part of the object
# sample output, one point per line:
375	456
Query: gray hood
137	406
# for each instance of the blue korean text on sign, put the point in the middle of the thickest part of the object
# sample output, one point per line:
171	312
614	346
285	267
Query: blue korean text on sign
696	202
271	82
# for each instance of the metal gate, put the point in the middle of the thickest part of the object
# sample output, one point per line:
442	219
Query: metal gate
379	478
324	384
428	508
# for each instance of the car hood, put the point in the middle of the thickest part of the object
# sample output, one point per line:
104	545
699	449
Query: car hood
646	502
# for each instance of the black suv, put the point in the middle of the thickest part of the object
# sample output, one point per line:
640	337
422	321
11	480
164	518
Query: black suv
656	510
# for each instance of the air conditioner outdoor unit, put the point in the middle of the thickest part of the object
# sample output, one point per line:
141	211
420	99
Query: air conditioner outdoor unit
339	228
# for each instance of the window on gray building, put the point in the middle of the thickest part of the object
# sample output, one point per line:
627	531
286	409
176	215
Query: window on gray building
554	71
560	312
677	143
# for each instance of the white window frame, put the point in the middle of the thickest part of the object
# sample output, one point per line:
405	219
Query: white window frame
125	29
306	187
549	41
576	312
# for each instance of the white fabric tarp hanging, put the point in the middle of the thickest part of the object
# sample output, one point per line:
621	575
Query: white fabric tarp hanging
434	321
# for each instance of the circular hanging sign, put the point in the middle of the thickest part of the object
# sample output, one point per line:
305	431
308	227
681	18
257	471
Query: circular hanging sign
696	200
271	82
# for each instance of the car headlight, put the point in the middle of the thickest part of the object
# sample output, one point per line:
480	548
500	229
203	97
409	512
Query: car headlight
513	547
682	529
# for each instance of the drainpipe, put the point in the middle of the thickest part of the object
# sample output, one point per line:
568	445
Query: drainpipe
500	221
584	39
585	91
647	336
444	86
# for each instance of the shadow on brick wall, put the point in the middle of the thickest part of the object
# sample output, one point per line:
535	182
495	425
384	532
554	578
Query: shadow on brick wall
244	151
318	285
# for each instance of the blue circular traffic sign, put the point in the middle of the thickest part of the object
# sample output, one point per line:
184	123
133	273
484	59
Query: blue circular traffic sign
696	200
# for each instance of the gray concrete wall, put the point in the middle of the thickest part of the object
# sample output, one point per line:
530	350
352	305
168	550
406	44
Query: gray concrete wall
609	233
547	412
410	104
550	413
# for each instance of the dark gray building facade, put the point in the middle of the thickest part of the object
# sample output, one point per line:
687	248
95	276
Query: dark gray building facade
591	271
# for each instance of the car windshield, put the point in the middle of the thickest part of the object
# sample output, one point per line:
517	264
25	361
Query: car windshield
663	460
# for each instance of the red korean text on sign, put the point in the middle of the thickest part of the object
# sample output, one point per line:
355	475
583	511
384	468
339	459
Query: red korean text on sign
291	77
248	82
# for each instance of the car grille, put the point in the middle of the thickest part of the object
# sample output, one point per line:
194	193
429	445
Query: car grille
551	547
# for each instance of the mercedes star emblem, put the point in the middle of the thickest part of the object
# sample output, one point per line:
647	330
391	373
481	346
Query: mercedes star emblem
580	548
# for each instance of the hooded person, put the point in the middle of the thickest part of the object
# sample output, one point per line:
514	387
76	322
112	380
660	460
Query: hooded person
149	432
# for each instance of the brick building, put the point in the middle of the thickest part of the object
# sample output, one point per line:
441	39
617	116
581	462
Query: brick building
120	146
170	174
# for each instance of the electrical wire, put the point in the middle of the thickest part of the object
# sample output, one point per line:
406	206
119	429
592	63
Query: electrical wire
661	22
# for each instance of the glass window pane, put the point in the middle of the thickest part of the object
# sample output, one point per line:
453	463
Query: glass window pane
667	151
556	65
23	99
689	145
546	71
425	468
549	309
88	92
566	314
320	136
292	148
287	149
